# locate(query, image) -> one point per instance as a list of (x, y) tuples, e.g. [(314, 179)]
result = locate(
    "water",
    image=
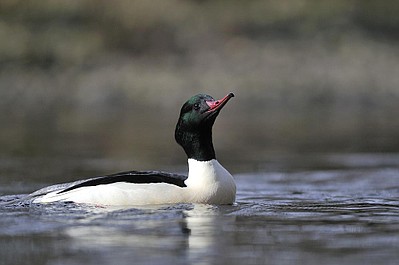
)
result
[(342, 211)]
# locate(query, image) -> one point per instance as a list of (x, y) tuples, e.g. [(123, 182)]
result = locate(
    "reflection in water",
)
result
[(203, 232), (159, 233)]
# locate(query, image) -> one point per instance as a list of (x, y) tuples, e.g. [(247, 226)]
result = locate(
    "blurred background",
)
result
[(106, 79)]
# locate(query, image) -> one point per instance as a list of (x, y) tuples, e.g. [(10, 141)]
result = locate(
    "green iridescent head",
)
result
[(194, 127)]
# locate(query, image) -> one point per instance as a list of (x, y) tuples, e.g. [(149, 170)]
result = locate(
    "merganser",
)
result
[(208, 182)]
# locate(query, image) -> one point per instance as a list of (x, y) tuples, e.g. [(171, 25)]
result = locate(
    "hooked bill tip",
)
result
[(231, 94)]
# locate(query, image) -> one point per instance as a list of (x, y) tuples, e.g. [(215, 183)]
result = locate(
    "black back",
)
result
[(136, 177)]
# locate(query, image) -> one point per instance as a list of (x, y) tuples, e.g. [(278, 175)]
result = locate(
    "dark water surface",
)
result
[(345, 211)]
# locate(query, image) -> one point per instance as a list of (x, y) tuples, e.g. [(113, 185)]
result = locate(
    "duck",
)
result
[(207, 181)]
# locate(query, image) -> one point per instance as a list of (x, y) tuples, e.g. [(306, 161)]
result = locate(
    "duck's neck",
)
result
[(198, 146)]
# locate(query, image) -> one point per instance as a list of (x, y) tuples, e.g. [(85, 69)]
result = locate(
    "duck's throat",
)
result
[(198, 146)]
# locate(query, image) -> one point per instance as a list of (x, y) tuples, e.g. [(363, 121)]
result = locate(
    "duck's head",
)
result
[(194, 127)]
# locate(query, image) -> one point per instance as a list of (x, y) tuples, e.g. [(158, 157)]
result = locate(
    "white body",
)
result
[(208, 182)]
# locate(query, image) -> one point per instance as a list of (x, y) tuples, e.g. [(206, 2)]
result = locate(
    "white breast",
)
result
[(209, 182)]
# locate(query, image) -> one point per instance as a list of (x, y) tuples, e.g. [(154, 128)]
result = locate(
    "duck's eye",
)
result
[(196, 106)]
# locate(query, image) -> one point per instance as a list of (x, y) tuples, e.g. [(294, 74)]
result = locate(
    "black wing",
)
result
[(137, 177)]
